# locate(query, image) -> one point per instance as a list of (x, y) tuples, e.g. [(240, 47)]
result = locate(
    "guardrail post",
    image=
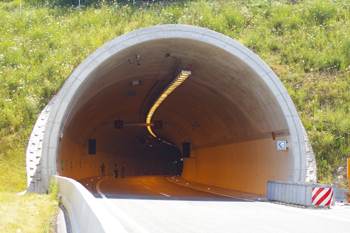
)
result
[(288, 191), (308, 194), (270, 190), (280, 191), (275, 191), (295, 193)]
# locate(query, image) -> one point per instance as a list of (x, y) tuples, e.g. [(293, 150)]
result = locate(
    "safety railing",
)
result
[(300, 193), (85, 213)]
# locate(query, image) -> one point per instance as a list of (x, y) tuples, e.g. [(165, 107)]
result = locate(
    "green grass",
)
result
[(306, 43), (29, 212)]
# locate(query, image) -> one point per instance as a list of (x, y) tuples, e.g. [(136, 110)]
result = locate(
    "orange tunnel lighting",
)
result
[(172, 86)]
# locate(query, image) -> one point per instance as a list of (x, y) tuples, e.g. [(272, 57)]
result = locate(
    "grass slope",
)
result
[(307, 44), (28, 213)]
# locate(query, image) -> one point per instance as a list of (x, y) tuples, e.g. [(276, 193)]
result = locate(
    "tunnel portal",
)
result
[(232, 110)]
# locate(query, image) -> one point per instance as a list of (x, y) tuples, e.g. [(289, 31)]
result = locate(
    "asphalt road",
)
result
[(153, 204)]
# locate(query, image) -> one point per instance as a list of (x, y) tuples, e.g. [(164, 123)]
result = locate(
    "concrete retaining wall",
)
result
[(85, 213)]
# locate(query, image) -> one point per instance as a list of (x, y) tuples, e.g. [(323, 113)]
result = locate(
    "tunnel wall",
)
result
[(75, 154), (92, 66), (245, 166)]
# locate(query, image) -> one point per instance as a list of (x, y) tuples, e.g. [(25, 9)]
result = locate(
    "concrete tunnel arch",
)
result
[(228, 109)]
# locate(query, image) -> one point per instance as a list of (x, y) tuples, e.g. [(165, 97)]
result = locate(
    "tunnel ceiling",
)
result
[(223, 101)]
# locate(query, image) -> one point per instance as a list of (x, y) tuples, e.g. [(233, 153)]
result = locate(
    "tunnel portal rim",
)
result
[(64, 99)]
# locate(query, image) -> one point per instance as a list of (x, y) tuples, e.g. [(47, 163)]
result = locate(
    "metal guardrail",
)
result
[(301, 193)]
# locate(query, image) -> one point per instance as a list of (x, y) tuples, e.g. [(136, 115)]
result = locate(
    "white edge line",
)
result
[(99, 191), (153, 189), (120, 212), (165, 194), (221, 194)]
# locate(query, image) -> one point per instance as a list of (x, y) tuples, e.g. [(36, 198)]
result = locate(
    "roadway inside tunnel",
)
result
[(153, 204), (152, 187), (225, 110)]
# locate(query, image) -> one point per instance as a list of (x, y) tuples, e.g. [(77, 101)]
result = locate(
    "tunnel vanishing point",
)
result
[(231, 110)]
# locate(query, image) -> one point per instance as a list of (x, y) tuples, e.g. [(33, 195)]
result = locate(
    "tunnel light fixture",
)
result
[(169, 143), (172, 86)]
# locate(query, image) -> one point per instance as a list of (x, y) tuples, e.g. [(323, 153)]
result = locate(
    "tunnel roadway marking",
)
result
[(119, 212), (104, 197), (152, 189), (98, 188), (170, 180), (208, 191), (165, 194)]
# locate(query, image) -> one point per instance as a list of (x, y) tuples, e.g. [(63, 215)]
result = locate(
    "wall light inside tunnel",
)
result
[(172, 86)]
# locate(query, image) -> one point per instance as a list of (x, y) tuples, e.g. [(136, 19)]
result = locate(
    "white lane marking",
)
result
[(153, 189), (221, 194), (129, 221), (165, 194), (98, 189)]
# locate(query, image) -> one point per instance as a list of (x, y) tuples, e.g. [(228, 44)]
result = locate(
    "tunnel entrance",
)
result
[(232, 109)]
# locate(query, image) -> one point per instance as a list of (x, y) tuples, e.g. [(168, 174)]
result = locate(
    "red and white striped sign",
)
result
[(322, 196)]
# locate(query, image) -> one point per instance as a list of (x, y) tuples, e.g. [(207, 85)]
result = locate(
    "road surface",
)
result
[(153, 204)]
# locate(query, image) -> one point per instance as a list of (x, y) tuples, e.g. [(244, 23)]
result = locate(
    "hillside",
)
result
[(307, 44)]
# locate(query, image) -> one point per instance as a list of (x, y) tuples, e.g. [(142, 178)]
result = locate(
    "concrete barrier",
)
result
[(84, 211), (301, 193)]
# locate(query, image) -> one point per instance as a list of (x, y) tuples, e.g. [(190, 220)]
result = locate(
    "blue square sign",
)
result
[(281, 145)]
